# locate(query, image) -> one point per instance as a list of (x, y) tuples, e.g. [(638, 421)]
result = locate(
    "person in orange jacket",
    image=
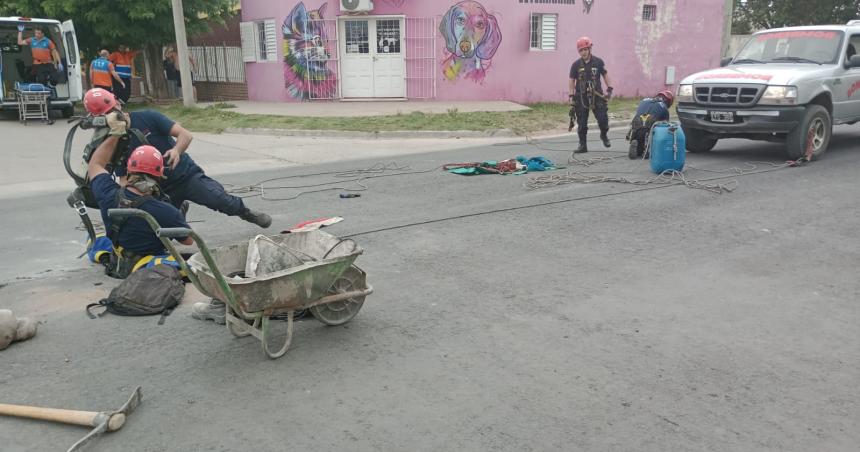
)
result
[(123, 60)]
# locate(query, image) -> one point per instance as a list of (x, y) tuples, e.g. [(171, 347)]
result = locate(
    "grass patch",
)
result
[(541, 117)]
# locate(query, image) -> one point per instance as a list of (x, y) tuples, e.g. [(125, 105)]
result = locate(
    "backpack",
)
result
[(148, 291)]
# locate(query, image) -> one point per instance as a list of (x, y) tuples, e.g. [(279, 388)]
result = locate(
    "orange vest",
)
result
[(124, 62), (100, 70), (41, 49)]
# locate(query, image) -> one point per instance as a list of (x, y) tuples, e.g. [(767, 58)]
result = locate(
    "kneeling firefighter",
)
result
[(649, 112), (130, 242)]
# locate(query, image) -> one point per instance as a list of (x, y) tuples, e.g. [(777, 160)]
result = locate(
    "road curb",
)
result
[(392, 134), (613, 126), (401, 134)]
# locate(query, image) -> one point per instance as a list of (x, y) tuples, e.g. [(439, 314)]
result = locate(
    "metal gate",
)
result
[(321, 55), (218, 63), (420, 58)]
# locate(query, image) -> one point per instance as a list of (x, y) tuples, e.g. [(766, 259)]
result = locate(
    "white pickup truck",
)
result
[(787, 84)]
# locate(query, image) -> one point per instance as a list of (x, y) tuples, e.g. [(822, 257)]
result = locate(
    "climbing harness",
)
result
[(82, 196)]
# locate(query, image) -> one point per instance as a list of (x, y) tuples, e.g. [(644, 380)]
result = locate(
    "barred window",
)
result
[(542, 31), (258, 41), (649, 12)]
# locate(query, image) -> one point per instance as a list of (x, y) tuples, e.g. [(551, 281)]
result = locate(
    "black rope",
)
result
[(549, 203)]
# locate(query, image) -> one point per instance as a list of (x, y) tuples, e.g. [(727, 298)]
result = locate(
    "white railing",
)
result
[(218, 63)]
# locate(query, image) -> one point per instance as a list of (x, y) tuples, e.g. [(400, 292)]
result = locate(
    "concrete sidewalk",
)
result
[(324, 109)]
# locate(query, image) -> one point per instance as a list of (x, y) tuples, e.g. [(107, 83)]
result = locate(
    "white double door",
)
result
[(373, 62)]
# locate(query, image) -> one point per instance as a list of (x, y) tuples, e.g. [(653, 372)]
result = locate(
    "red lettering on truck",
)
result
[(764, 77), (829, 35), (854, 88)]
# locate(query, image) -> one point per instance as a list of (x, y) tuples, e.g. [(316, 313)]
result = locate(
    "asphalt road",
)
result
[(600, 316)]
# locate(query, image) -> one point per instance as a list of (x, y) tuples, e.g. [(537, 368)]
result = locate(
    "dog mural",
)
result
[(305, 69), (472, 36)]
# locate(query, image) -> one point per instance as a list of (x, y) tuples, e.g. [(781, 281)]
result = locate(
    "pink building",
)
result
[(519, 50)]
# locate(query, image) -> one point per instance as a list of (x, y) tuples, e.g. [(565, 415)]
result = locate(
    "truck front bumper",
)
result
[(747, 121)]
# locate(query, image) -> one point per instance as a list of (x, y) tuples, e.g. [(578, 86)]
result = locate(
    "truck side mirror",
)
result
[(725, 61), (854, 61)]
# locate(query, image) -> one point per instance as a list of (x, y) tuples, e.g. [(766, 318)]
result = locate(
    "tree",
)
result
[(752, 15), (145, 25)]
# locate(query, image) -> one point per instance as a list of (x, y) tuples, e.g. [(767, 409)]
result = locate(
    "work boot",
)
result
[(605, 140), (633, 150), (210, 310), (259, 218), (583, 147)]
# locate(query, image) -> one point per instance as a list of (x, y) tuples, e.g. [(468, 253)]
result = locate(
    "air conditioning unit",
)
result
[(356, 6)]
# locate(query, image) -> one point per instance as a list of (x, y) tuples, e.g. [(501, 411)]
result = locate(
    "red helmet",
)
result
[(146, 159), (670, 98), (583, 43), (99, 101)]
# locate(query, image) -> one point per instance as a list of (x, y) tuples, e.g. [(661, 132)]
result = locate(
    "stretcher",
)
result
[(33, 102)]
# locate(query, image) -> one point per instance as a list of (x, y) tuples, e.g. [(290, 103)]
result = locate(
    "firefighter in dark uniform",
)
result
[(184, 179), (586, 93), (650, 111), (131, 243)]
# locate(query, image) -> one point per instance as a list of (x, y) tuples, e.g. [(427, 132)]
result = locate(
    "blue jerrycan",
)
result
[(668, 147)]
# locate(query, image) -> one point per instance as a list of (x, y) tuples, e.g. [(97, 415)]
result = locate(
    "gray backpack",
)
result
[(148, 291)]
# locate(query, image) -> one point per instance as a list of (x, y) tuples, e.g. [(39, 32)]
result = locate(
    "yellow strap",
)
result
[(142, 263)]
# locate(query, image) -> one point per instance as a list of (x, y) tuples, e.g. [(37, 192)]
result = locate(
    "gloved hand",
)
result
[(117, 124), (21, 27), (608, 93), (60, 67)]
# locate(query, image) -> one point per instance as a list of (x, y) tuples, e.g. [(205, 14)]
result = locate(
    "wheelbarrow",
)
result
[(315, 272)]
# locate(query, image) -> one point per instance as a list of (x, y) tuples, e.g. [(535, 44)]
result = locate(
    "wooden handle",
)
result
[(85, 418)]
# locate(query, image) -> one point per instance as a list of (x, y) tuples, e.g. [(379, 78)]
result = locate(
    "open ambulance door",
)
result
[(73, 63)]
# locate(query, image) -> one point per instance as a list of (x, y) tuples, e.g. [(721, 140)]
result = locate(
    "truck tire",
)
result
[(68, 111), (697, 142), (811, 138)]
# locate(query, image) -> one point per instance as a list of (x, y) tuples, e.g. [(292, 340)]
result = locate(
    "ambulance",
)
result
[(16, 63)]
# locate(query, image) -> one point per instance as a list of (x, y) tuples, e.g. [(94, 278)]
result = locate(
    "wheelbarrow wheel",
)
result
[(340, 312), (266, 332)]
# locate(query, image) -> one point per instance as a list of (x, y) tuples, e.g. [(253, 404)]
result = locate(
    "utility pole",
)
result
[(727, 28), (182, 48)]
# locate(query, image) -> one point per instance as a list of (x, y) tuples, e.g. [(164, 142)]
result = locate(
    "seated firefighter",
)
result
[(130, 243), (649, 112)]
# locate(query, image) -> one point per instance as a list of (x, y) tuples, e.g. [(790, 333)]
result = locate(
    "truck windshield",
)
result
[(793, 46)]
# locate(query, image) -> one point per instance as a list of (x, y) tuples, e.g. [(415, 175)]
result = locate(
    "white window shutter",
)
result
[(271, 41), (249, 42), (549, 25)]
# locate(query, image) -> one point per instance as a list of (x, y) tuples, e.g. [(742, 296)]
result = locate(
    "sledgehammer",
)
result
[(102, 421)]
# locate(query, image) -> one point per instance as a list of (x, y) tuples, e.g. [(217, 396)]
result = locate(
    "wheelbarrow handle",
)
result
[(115, 214), (173, 233)]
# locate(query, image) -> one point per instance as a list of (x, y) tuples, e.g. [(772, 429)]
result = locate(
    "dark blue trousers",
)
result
[(601, 113), (195, 186)]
